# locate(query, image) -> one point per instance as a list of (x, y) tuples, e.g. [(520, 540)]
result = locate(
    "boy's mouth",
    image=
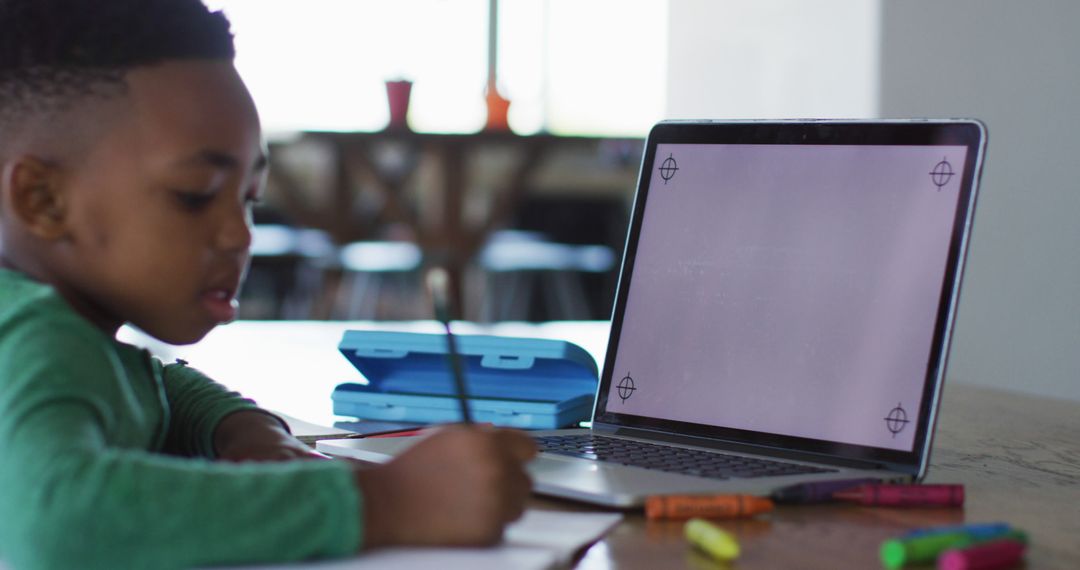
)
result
[(220, 304)]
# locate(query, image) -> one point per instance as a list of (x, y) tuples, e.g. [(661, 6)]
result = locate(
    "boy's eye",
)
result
[(194, 201)]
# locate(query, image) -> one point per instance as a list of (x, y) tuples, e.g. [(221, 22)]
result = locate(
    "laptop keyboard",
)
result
[(710, 464)]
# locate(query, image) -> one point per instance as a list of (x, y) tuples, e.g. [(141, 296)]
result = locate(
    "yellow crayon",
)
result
[(711, 539)]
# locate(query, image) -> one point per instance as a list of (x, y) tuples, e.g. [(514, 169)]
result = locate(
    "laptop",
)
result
[(783, 314)]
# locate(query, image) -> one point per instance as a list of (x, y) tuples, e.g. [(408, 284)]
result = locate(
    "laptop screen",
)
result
[(790, 289)]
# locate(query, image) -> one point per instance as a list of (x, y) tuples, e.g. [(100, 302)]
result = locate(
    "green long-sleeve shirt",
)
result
[(105, 458)]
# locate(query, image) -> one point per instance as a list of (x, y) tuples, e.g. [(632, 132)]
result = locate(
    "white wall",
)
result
[(1015, 66), (1012, 64), (772, 59)]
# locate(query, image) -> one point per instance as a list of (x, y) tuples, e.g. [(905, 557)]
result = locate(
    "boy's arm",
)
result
[(423, 497), (76, 491), (459, 486), (253, 435), (71, 501), (209, 420)]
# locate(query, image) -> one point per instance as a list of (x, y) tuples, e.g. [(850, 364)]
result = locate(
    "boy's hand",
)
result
[(459, 486), (254, 436)]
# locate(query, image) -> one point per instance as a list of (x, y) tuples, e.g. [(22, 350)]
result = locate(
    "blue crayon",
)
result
[(816, 491), (979, 531)]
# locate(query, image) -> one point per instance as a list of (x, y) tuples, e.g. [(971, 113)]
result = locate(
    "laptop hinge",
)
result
[(744, 448)]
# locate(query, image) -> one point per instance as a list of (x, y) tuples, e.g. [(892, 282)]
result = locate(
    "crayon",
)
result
[(711, 539), (905, 495), (981, 530), (816, 492), (706, 506), (896, 553), (993, 555)]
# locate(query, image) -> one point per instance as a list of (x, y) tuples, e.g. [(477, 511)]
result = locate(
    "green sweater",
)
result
[(105, 458)]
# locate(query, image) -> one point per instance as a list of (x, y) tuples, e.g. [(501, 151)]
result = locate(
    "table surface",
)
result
[(1017, 455)]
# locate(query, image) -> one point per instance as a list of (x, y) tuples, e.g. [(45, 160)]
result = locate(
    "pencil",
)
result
[(437, 282)]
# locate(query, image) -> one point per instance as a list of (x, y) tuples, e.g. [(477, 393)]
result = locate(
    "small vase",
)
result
[(498, 108), (397, 96)]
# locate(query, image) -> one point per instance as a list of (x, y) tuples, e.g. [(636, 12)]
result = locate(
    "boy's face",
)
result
[(159, 210)]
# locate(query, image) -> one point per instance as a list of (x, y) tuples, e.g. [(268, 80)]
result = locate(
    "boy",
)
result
[(131, 156)]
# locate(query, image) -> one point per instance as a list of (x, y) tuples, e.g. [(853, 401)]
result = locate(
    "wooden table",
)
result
[(1018, 457)]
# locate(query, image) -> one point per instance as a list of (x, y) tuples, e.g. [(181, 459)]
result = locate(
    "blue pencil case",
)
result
[(525, 383)]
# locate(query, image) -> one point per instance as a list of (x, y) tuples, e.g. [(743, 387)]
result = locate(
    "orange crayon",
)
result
[(705, 506)]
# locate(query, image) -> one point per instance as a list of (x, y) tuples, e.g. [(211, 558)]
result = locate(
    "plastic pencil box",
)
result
[(525, 383)]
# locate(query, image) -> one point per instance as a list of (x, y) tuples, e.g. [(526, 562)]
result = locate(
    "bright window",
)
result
[(596, 67)]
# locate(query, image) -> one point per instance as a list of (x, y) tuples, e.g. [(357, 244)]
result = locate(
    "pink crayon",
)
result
[(904, 495), (993, 555)]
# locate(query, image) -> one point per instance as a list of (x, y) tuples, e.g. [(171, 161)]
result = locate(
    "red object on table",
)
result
[(904, 495)]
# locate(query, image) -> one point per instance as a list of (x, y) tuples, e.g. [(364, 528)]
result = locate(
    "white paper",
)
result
[(540, 540), (560, 532), (501, 557)]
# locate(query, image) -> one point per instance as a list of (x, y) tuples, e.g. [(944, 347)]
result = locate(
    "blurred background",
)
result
[(502, 140)]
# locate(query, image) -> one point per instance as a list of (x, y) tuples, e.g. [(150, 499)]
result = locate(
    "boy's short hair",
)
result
[(53, 52)]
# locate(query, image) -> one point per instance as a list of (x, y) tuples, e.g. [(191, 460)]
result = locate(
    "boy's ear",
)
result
[(36, 197)]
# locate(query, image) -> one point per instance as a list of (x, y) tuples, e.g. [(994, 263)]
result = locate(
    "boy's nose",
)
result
[(235, 234)]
